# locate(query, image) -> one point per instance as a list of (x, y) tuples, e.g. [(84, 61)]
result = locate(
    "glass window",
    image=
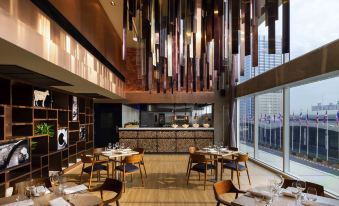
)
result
[(246, 125), (270, 110), (314, 133)]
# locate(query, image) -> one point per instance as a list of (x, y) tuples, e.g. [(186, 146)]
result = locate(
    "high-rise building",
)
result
[(270, 103)]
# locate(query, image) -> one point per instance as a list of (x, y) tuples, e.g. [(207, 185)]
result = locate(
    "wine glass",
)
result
[(117, 145), (301, 185), (122, 145), (311, 194), (109, 146)]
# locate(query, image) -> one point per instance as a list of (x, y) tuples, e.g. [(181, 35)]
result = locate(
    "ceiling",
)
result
[(114, 14)]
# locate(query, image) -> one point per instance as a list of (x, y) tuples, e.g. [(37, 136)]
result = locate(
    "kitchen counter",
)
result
[(166, 139)]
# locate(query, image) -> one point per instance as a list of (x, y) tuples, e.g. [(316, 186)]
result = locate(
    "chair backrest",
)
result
[(197, 158), (223, 187), (133, 159), (242, 157), (319, 188), (114, 186), (97, 151), (140, 150), (192, 150), (9, 192), (85, 159), (233, 148)]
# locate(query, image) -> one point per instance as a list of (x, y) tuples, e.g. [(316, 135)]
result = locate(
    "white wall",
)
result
[(129, 114)]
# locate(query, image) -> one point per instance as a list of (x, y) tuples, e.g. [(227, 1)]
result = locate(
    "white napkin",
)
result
[(28, 202), (257, 193), (75, 189), (37, 190), (311, 203), (59, 202), (289, 191)]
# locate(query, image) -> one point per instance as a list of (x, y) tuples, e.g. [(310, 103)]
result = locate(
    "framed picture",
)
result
[(13, 154), (62, 138), (75, 109), (83, 133)]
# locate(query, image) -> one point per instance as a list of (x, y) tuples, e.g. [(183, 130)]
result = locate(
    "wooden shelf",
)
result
[(18, 118)]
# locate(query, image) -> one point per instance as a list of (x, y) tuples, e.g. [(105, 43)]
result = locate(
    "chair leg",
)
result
[(189, 173), (231, 174), (238, 178), (142, 179), (188, 165), (199, 175), (205, 180), (248, 175), (143, 164), (82, 172), (131, 177), (90, 181), (118, 204), (221, 171), (123, 180), (218, 203)]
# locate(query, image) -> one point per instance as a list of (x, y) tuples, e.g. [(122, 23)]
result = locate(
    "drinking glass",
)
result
[(109, 146), (117, 145), (311, 194), (122, 145)]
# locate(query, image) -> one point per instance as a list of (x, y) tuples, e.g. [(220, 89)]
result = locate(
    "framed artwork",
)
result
[(83, 133), (62, 138), (13, 154), (75, 109)]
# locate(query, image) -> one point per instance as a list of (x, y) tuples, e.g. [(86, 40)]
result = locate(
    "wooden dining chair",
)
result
[(191, 150), (239, 164), (111, 185), (320, 189), (142, 152), (224, 187), (229, 158), (128, 168), (95, 165), (200, 164)]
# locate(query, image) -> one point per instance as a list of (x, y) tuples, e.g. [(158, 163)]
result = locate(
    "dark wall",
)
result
[(107, 121)]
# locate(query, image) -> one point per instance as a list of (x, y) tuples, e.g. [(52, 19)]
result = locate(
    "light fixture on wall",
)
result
[(113, 3)]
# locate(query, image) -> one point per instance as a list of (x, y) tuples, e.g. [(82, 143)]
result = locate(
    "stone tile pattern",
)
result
[(166, 141)]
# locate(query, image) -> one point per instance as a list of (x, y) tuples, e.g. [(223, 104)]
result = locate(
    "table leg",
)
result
[(216, 167)]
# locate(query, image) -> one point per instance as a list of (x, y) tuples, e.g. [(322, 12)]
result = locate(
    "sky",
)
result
[(313, 23)]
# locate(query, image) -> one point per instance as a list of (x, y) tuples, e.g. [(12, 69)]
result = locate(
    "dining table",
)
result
[(80, 198), (115, 154), (217, 154), (287, 200)]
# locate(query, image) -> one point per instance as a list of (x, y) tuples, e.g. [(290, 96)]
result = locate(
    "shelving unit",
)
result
[(18, 119)]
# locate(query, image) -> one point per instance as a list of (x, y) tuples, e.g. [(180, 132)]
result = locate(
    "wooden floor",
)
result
[(166, 183)]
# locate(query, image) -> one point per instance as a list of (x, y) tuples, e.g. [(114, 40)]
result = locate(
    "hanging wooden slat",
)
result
[(235, 25), (272, 13), (242, 38), (286, 26), (247, 23), (124, 30), (254, 34)]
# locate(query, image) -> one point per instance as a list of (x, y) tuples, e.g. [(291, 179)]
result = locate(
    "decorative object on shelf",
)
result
[(206, 125), (62, 138), (41, 98), (174, 125), (195, 125), (83, 132), (134, 124), (13, 154), (185, 125), (75, 109), (44, 128)]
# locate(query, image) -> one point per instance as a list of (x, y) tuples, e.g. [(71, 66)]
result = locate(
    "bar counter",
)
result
[(166, 140)]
